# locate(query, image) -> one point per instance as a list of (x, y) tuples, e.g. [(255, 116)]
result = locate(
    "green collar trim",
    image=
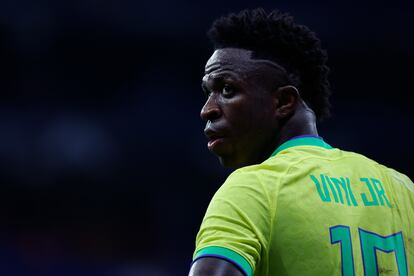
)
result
[(302, 141)]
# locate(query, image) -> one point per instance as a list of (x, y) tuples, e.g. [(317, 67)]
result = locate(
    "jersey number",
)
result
[(370, 243)]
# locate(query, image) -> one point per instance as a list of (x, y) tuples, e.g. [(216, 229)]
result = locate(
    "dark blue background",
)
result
[(104, 168)]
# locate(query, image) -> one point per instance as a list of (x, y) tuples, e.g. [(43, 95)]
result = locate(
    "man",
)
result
[(295, 205)]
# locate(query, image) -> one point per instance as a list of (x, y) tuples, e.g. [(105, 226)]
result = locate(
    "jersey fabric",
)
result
[(311, 209)]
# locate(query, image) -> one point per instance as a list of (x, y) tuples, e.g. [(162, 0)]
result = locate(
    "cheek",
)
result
[(245, 119), (258, 125), (247, 114), (237, 111)]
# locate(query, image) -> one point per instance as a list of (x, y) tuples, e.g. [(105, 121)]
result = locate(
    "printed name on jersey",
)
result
[(340, 189)]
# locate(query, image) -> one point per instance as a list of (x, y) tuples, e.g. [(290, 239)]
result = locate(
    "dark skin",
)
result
[(250, 110)]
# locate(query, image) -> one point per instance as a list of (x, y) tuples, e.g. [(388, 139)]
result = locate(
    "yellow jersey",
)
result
[(311, 209)]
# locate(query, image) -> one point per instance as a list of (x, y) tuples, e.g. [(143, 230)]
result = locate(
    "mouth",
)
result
[(213, 141), (215, 138)]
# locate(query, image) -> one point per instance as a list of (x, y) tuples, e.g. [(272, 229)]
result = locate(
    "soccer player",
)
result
[(294, 205)]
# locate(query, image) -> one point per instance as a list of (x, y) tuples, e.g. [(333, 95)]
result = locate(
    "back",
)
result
[(312, 210), (338, 211)]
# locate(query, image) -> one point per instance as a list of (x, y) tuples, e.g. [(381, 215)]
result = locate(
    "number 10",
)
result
[(370, 242)]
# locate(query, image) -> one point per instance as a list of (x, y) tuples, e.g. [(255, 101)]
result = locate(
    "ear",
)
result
[(287, 99)]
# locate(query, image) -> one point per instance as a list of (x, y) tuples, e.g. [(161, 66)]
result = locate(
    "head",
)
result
[(264, 71)]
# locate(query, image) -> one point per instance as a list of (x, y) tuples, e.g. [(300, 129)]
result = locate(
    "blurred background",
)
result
[(104, 168)]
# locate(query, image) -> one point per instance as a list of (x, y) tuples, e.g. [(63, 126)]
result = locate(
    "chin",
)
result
[(230, 163)]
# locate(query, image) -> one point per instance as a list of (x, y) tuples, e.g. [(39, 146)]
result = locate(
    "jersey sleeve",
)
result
[(236, 226)]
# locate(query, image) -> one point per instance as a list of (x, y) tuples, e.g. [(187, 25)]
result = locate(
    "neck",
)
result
[(303, 122)]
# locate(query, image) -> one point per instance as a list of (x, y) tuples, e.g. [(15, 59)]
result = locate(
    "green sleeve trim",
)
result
[(303, 141), (226, 254)]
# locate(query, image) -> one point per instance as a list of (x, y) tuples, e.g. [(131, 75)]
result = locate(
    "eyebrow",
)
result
[(222, 75), (218, 77)]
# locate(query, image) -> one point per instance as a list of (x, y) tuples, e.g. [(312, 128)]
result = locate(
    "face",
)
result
[(240, 110)]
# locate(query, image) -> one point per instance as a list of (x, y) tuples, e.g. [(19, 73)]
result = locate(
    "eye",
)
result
[(206, 91), (227, 90)]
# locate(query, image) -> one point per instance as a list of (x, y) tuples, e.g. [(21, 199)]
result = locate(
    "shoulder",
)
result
[(257, 176), (398, 177), (242, 184), (274, 165), (358, 159), (316, 156)]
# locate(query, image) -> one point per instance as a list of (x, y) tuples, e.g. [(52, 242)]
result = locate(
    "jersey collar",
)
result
[(303, 140)]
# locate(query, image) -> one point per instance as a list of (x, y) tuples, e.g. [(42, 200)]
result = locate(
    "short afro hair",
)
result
[(277, 37)]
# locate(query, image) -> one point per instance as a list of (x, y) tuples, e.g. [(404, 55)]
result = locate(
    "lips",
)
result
[(214, 138), (213, 143)]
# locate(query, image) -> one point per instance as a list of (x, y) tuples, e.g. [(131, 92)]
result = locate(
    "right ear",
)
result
[(286, 98)]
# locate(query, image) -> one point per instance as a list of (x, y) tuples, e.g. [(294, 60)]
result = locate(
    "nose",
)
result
[(211, 110)]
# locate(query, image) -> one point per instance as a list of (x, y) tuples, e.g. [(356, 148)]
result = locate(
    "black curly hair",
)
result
[(277, 37)]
